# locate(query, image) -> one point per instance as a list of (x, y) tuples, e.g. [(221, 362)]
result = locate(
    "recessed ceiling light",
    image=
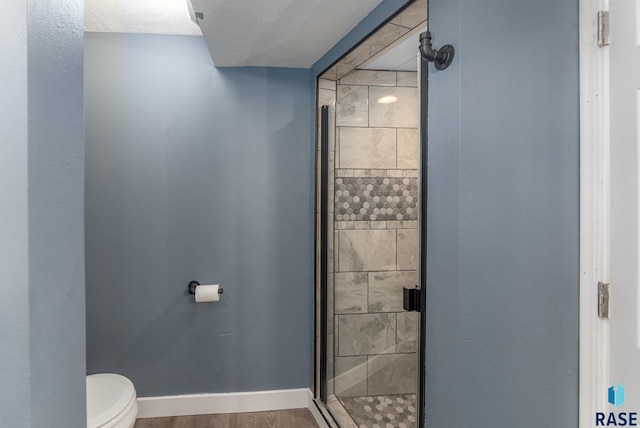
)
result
[(388, 99)]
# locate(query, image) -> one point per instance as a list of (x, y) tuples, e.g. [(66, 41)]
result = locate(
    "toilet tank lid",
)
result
[(108, 395)]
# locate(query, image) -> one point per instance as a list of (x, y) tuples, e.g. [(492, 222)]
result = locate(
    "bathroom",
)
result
[(201, 173)]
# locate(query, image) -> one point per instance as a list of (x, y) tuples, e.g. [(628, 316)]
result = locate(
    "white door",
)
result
[(624, 367)]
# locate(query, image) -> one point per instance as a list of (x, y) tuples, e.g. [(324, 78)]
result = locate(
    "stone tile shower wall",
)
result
[(375, 232)]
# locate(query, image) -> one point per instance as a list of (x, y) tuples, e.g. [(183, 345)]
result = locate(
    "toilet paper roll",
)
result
[(207, 293)]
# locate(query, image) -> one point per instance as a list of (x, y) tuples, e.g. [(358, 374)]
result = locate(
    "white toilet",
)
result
[(111, 401)]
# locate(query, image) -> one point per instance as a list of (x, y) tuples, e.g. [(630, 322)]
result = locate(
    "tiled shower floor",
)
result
[(383, 411)]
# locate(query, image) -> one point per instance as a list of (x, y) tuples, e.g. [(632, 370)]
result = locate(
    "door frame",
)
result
[(320, 244), (320, 270), (594, 210)]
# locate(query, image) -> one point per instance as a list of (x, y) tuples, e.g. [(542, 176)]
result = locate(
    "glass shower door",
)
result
[(369, 226), (370, 370)]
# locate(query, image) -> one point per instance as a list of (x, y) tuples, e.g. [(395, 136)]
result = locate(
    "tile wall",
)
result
[(413, 16), (375, 231)]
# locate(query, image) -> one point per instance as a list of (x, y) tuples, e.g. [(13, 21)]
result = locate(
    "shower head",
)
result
[(441, 58)]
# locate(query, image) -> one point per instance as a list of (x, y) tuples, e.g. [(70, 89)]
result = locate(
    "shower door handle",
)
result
[(411, 299)]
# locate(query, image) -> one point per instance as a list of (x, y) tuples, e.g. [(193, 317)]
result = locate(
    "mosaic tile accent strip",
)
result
[(376, 198), (388, 411)]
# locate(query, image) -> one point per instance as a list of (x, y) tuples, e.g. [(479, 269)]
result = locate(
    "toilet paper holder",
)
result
[(191, 288)]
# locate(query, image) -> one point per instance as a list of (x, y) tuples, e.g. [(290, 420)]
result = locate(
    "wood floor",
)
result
[(296, 418)]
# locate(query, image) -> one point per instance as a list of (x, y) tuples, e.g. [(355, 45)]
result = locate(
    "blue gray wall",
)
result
[(15, 394), (502, 301), (198, 173), (56, 203), (42, 327)]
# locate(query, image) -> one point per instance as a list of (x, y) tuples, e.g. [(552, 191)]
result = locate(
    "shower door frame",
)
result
[(324, 251), (321, 265)]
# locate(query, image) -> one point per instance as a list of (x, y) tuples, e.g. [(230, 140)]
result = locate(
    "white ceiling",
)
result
[(139, 16), (276, 33), (400, 56), (273, 33)]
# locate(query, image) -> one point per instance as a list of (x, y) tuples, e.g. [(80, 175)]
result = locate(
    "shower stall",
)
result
[(369, 368)]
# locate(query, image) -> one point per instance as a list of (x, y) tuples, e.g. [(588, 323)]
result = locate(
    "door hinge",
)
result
[(603, 300), (603, 28)]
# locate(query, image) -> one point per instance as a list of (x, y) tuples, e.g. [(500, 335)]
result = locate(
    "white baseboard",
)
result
[(237, 402)]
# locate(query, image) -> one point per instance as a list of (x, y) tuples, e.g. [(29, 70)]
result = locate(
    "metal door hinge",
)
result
[(603, 300), (603, 28)]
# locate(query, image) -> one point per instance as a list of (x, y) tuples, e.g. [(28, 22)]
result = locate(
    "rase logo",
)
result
[(615, 397)]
